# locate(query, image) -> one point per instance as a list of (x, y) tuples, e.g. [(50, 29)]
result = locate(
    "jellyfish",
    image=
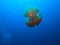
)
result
[(33, 16)]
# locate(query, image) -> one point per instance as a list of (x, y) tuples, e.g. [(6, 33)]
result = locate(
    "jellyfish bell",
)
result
[(34, 17)]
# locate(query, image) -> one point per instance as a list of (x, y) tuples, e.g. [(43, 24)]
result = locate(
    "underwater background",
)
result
[(14, 31)]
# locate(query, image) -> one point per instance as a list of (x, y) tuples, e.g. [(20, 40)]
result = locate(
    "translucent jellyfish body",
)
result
[(33, 16)]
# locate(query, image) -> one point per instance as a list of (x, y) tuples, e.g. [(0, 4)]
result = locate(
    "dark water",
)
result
[(14, 31)]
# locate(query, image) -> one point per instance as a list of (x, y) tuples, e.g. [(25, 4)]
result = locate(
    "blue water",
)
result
[(14, 31)]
